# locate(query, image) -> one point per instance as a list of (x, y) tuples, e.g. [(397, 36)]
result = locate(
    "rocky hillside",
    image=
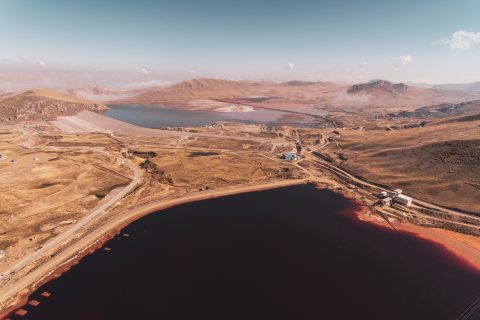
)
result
[(441, 111), (378, 85), (43, 105)]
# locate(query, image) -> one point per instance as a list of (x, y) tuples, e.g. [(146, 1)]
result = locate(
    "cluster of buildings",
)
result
[(389, 198)]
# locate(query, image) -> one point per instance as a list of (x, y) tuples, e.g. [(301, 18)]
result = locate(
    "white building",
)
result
[(386, 201), (397, 191), (403, 199)]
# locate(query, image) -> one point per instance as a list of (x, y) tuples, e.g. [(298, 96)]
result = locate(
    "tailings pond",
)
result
[(289, 253), (150, 116)]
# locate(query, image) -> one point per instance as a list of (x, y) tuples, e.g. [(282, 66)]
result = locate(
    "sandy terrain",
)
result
[(45, 190)]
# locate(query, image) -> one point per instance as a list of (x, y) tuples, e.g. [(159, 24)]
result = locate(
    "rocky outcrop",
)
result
[(156, 172), (378, 85), (43, 105)]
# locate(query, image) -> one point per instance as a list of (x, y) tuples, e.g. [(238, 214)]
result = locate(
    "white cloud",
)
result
[(145, 71), (22, 62), (146, 84), (290, 66), (365, 63), (405, 59), (461, 40)]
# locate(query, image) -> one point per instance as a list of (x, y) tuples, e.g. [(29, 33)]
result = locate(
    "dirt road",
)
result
[(136, 179)]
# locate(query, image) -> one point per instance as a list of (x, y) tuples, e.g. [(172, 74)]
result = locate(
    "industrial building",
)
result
[(383, 194), (389, 198), (386, 201), (291, 156), (403, 199)]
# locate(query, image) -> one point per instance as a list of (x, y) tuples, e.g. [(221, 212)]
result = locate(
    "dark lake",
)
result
[(289, 253), (160, 116)]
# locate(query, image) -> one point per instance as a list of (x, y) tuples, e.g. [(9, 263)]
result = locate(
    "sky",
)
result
[(166, 40)]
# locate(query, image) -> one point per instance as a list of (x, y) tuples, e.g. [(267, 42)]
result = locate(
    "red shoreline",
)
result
[(422, 233), (359, 210)]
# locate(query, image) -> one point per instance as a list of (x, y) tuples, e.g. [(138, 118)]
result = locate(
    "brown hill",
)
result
[(43, 105), (202, 89), (305, 83)]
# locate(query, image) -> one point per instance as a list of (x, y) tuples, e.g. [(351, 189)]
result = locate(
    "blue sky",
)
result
[(423, 41)]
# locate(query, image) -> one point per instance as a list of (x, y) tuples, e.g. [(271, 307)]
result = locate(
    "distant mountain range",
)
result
[(376, 96), (473, 86), (205, 88), (372, 96)]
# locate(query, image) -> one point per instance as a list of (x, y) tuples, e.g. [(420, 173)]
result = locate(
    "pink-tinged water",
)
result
[(290, 253)]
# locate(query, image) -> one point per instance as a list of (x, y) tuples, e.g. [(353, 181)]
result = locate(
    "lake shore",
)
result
[(16, 295), (465, 247)]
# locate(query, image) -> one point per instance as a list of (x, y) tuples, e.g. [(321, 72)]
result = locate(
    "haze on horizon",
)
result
[(157, 42)]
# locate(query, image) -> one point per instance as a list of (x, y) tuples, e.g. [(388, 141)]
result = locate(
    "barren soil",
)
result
[(439, 163)]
